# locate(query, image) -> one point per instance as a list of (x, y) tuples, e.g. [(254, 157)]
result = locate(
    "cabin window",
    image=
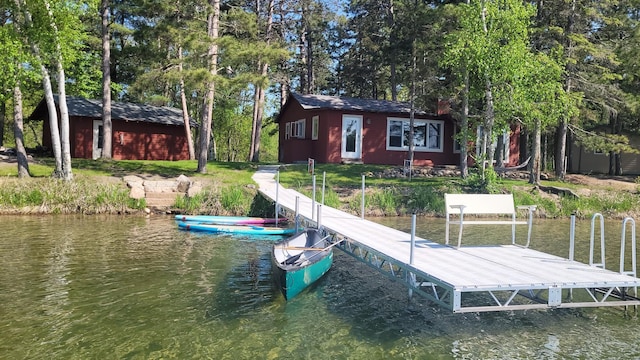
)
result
[(298, 129), (457, 139), (287, 131), (314, 127), (100, 136), (427, 134)]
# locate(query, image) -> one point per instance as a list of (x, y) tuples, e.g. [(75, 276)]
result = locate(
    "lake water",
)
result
[(75, 287)]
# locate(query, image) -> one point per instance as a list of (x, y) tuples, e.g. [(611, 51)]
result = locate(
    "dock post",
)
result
[(324, 178), (297, 214), (319, 222), (412, 279), (572, 244), (623, 247), (572, 236), (313, 198), (277, 186), (362, 202), (601, 264), (633, 252)]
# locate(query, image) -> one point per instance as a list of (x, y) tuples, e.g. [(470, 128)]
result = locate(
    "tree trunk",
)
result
[(207, 114), (53, 123), (500, 153), (618, 130), (488, 124), (284, 92), (18, 133), (185, 113), (258, 105), (534, 174), (67, 174), (304, 84), (561, 147), (561, 133), (107, 127), (393, 77), (412, 109), (256, 131), (489, 113), (3, 108), (48, 91), (464, 128), (311, 83)]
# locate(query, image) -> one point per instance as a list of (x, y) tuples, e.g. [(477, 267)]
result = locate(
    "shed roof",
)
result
[(311, 101), (82, 107)]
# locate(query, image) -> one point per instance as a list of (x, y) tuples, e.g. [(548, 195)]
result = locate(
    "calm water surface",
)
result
[(135, 288)]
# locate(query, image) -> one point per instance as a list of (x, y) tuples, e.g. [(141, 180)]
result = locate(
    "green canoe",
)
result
[(300, 260)]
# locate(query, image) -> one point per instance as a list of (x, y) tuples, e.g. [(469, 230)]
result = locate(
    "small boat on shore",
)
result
[(300, 260), (229, 220), (236, 229)]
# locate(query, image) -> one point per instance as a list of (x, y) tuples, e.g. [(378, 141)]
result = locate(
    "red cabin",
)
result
[(140, 132), (341, 130)]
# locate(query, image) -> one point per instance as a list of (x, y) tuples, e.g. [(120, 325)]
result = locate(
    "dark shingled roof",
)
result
[(309, 102), (119, 111)]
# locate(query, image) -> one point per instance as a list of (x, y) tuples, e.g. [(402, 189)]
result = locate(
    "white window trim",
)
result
[(299, 129), (315, 123), (417, 122), (457, 143), (287, 131)]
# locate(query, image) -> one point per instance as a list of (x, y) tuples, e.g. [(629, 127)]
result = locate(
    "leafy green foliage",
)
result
[(234, 199), (577, 60)]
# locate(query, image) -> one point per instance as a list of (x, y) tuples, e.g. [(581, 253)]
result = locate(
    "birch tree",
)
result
[(12, 73), (67, 173), (25, 27), (18, 133), (487, 54), (107, 127)]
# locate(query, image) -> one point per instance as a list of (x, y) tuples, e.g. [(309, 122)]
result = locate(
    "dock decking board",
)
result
[(445, 273)]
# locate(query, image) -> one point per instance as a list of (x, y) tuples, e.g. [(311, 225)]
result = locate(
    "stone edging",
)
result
[(157, 189)]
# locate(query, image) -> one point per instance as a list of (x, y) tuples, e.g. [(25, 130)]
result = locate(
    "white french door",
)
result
[(98, 138), (351, 137)]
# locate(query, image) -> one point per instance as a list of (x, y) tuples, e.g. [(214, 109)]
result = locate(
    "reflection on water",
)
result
[(135, 288)]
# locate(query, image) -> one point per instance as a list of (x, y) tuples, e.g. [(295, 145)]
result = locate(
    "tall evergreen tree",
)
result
[(213, 22)]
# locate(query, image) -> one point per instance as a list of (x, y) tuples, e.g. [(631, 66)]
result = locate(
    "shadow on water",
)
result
[(378, 310), (247, 285)]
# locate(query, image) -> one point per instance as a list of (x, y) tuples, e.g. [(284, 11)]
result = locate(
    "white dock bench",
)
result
[(485, 204)]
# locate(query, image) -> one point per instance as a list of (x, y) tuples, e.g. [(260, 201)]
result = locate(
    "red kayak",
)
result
[(228, 220)]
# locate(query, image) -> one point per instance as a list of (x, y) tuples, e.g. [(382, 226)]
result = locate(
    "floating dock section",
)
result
[(465, 279)]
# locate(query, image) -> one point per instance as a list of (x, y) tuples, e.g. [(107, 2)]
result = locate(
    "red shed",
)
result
[(140, 132)]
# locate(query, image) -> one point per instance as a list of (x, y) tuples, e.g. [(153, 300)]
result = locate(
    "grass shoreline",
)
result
[(228, 189)]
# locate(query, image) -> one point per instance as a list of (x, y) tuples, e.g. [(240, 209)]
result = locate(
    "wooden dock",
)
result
[(468, 279)]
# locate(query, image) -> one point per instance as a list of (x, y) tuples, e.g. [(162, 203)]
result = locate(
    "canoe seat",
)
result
[(292, 259)]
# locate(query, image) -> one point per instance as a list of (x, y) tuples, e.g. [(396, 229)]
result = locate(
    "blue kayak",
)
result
[(228, 220), (236, 229)]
